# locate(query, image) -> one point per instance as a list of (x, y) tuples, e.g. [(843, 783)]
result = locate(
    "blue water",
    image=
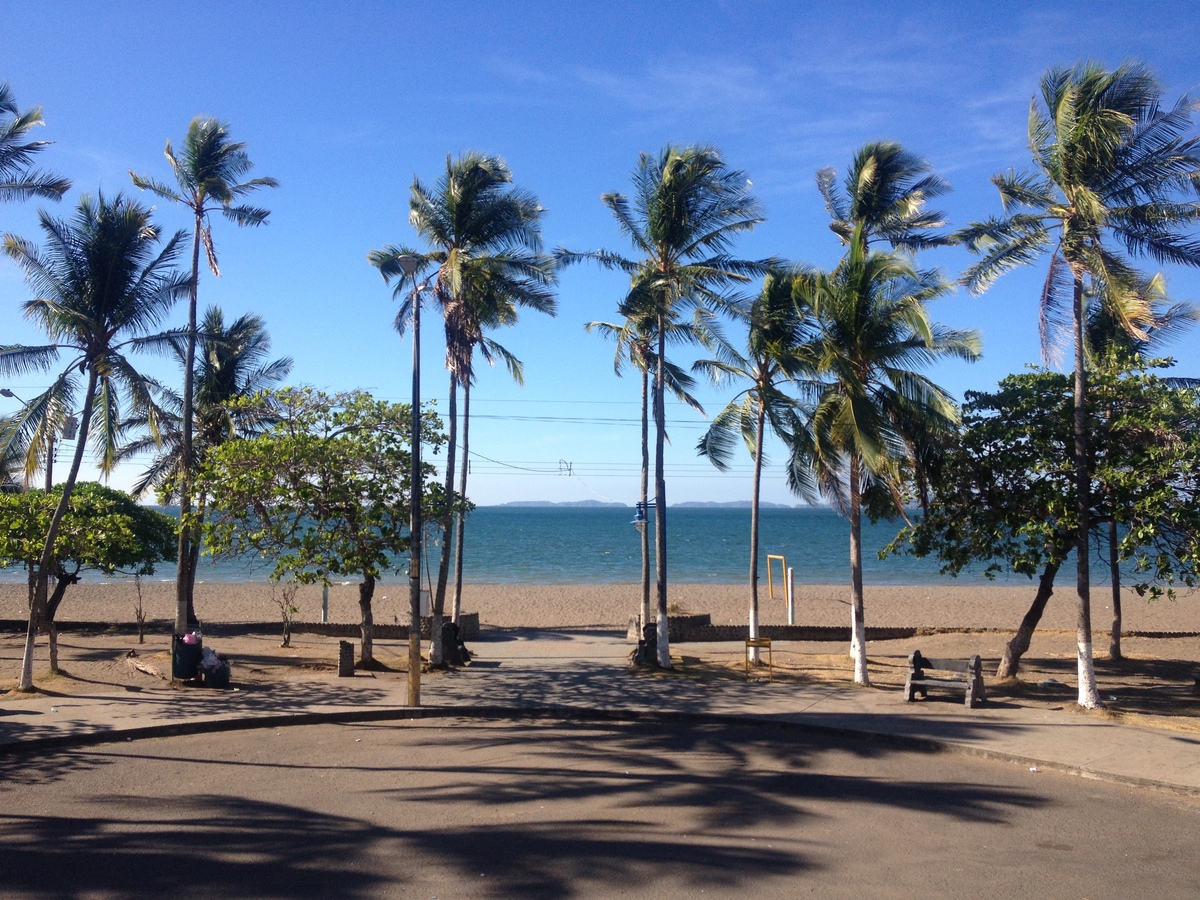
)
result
[(598, 545)]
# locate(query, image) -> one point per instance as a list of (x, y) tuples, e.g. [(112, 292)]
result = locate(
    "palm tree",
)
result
[(10, 457), (206, 174), (874, 331), (885, 192), (635, 344), (1111, 163), (777, 339), (102, 286), (17, 180), (686, 210), (489, 305), (485, 239), (233, 366)]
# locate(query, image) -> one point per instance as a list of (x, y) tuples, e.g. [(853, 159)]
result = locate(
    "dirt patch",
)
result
[(1155, 684)]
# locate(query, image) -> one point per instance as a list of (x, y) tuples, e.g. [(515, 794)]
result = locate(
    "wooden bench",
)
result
[(969, 680)]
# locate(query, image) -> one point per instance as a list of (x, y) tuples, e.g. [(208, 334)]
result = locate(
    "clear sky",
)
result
[(345, 102)]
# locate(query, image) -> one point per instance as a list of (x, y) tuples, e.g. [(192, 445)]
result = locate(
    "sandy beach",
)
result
[(561, 606)]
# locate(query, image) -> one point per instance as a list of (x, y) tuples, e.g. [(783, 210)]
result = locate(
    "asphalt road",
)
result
[(449, 809)]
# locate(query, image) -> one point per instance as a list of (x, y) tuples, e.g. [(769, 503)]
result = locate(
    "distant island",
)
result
[(588, 503), (691, 504), (730, 504)]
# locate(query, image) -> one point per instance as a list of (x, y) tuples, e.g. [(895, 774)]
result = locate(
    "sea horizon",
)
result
[(598, 544)]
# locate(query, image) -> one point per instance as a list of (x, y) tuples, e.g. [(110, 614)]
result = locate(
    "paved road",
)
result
[(455, 808)]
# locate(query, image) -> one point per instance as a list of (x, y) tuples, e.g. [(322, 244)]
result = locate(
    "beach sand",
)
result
[(563, 606)]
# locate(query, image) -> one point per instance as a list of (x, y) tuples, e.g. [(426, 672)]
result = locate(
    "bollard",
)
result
[(791, 596), (345, 659)]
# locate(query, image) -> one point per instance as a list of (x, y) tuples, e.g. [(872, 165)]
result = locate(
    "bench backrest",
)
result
[(917, 661)]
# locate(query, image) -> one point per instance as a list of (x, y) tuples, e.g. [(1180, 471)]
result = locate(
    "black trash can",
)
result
[(185, 658)]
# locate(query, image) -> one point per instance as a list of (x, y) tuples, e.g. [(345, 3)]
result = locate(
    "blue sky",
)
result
[(345, 102)]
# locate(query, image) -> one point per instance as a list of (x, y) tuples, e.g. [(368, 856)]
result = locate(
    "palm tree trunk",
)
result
[(184, 573), (858, 628), (660, 498), (194, 561), (754, 496), (416, 522), (438, 612), (39, 601), (1089, 697), (1010, 663), (644, 536), (1114, 570), (460, 519)]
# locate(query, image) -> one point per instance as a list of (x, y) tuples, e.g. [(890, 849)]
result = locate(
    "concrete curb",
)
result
[(579, 714)]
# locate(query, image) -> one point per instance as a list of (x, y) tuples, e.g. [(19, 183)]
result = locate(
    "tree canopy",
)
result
[(1005, 497), (323, 493), (103, 529)]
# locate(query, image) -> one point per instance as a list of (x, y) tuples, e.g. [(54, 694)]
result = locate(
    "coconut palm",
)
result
[(490, 304), (885, 192), (635, 344), (778, 338), (1112, 166), (687, 208), (17, 180), (206, 174), (102, 282), (10, 457), (874, 332), (233, 366), (484, 236)]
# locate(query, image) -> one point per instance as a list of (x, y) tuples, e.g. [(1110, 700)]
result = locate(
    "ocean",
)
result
[(599, 545)]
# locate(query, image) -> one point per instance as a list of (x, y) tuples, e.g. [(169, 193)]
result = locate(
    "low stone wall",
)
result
[(468, 624), (699, 629)]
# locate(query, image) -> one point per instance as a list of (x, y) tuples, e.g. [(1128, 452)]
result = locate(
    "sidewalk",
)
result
[(584, 675)]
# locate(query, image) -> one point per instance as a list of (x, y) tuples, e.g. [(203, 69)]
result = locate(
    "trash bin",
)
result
[(345, 659), (185, 657)]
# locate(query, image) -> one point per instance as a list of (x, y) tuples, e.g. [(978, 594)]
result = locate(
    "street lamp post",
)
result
[(647, 642), (409, 265)]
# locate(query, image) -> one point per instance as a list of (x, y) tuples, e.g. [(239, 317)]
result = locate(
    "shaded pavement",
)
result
[(584, 675)]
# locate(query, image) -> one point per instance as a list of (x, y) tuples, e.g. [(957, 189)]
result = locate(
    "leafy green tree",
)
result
[(635, 342), (17, 180), (874, 407), (1006, 497), (1112, 165), (207, 172), (324, 492), (1112, 349), (484, 237), (777, 345), (686, 210), (103, 284), (233, 365), (103, 530)]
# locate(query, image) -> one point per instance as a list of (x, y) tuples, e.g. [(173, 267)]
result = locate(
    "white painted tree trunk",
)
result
[(858, 648), (1089, 695)]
